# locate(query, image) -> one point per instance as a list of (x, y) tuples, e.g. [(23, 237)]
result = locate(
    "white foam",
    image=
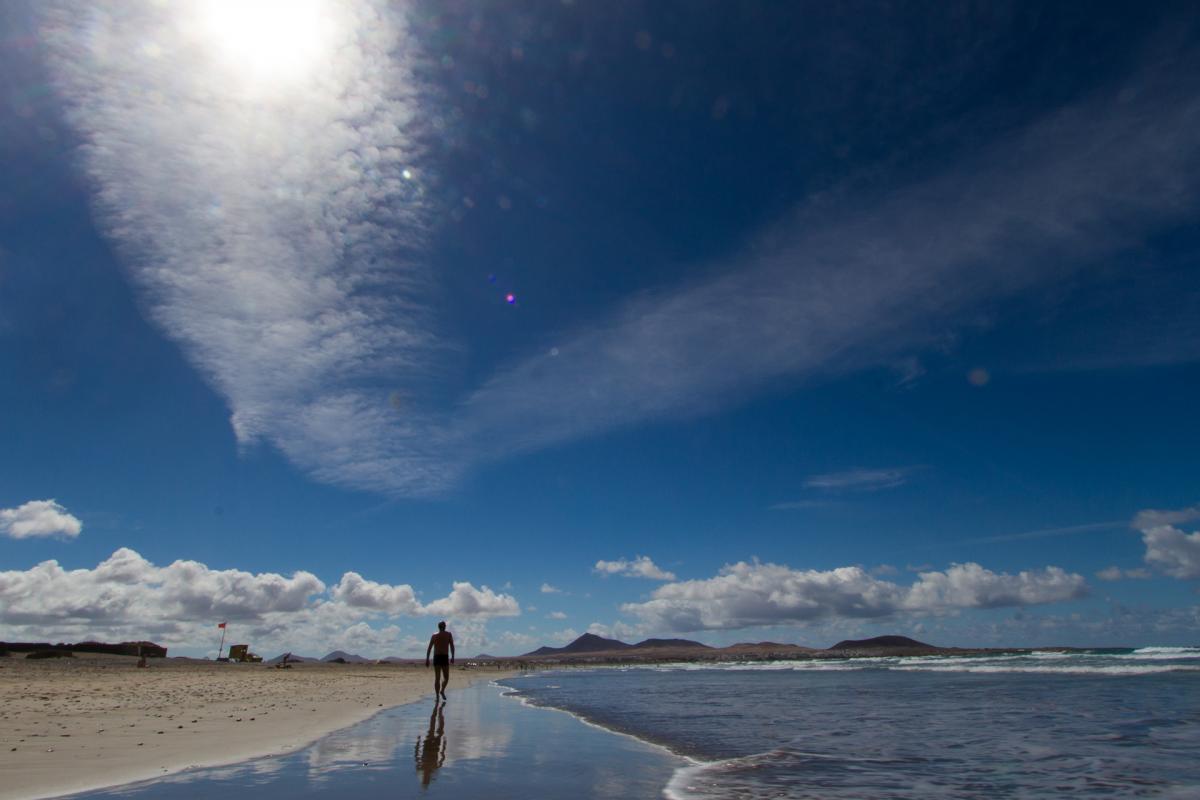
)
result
[(1064, 669)]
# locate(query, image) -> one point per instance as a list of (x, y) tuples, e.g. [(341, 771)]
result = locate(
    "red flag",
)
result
[(221, 625)]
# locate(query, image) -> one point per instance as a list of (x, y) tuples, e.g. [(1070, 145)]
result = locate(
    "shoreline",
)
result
[(95, 722)]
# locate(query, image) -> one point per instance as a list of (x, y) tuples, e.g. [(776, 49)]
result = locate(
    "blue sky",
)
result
[(735, 322)]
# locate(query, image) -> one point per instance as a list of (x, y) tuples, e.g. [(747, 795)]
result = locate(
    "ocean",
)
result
[(1105, 723)]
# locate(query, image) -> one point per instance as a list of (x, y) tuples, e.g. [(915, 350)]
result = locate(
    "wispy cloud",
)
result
[(861, 480), (799, 505), (39, 518), (1046, 533), (854, 282), (548, 589), (276, 236)]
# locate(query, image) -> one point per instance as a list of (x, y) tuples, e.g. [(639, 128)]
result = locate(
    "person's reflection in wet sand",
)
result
[(430, 752)]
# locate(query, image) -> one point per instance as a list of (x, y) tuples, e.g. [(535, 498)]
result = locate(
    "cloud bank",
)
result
[(127, 597), (640, 567), (745, 594), (39, 518)]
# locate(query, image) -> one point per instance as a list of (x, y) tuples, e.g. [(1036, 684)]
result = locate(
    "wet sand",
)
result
[(73, 724)]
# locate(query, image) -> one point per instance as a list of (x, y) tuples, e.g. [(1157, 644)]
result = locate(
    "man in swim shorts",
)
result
[(442, 645)]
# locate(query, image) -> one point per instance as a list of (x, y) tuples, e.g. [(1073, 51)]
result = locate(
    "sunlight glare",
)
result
[(268, 40)]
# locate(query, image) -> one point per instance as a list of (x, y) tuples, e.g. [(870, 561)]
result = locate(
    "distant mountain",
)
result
[(484, 657), (879, 641), (588, 643), (669, 643), (292, 658), (349, 658)]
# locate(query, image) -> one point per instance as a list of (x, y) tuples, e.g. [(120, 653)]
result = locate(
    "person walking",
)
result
[(442, 646)]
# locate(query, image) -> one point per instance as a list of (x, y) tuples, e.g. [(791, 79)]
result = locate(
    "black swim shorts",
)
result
[(441, 660)]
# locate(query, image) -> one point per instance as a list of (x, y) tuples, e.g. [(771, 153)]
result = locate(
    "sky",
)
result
[(726, 321)]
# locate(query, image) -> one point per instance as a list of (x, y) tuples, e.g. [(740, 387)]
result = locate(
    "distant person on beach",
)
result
[(442, 645)]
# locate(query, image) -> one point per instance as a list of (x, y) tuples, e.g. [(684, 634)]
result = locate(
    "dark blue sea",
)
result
[(1117, 723)]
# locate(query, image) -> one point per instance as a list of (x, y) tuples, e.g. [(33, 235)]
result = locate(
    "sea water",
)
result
[(1105, 723)]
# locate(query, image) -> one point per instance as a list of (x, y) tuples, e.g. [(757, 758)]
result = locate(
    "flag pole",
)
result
[(221, 646)]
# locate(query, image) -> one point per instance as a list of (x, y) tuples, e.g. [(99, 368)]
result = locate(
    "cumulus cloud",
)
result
[(39, 518), (467, 601), (548, 589), (128, 590), (748, 594), (357, 592), (128, 597), (1168, 548), (640, 567), (556, 615), (861, 480)]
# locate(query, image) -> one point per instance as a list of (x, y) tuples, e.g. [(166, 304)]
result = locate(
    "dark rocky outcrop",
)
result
[(879, 642), (647, 643), (588, 643)]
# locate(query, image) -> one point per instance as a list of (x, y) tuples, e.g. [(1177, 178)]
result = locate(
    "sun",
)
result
[(267, 41)]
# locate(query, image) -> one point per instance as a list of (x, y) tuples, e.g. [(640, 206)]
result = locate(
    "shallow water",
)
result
[(1118, 723), (481, 745)]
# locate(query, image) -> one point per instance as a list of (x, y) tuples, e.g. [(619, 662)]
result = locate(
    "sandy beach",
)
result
[(92, 721)]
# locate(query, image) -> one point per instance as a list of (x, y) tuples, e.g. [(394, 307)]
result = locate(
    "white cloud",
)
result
[(861, 480), (556, 615), (1115, 573), (357, 592), (548, 589), (467, 601), (1169, 549), (127, 597), (1155, 518), (640, 567), (747, 594), (39, 518)]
